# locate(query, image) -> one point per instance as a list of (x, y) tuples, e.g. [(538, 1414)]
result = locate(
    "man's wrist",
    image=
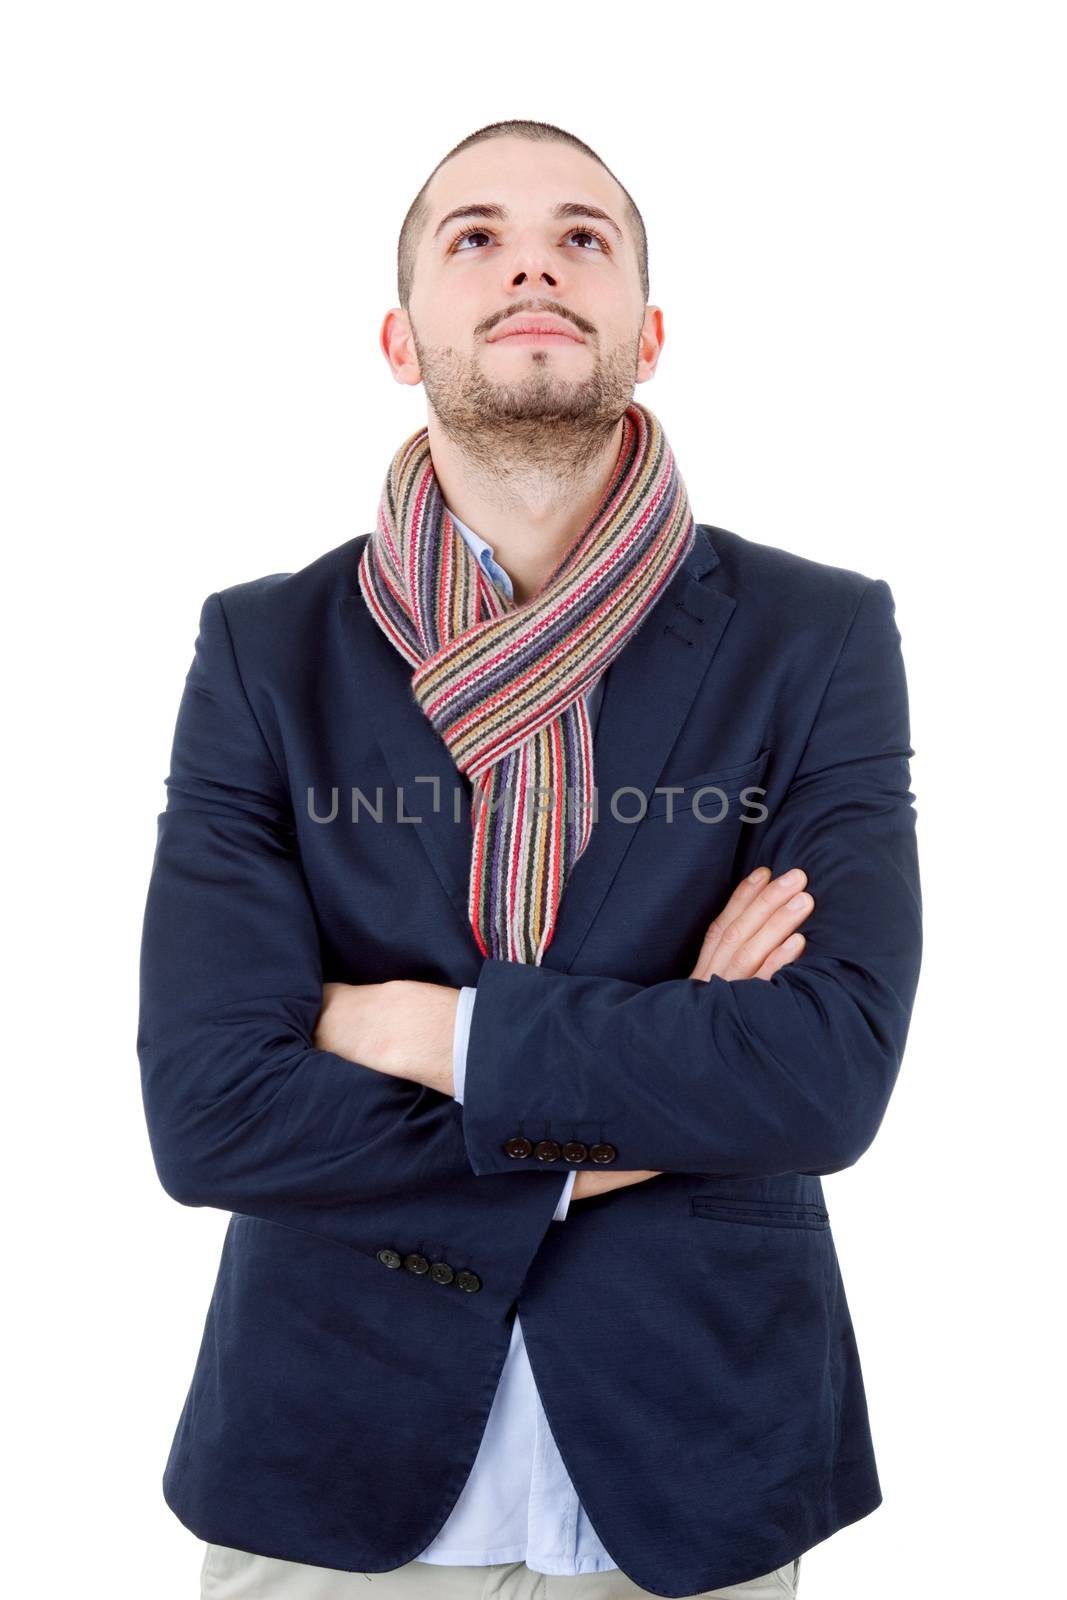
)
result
[(422, 1036)]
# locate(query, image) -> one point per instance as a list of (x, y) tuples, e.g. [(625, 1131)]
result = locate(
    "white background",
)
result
[(854, 217)]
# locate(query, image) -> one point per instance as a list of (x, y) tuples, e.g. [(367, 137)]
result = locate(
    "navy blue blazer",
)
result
[(689, 1335)]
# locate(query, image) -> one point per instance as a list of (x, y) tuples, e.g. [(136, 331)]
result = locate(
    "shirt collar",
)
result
[(483, 554)]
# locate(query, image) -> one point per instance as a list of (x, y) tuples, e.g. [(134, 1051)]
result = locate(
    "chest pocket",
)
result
[(709, 800)]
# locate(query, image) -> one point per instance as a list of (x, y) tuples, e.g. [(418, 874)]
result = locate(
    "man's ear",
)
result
[(397, 343), (651, 344)]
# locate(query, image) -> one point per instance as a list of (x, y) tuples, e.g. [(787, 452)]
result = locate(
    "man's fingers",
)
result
[(587, 1184), (786, 952), (743, 960), (742, 897), (750, 910)]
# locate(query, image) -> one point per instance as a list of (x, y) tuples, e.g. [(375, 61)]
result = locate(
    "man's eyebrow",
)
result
[(498, 213)]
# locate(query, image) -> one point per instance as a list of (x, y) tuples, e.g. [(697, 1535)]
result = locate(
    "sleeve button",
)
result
[(603, 1153), (518, 1146), (547, 1150)]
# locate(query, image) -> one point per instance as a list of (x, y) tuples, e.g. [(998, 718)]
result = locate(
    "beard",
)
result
[(539, 421)]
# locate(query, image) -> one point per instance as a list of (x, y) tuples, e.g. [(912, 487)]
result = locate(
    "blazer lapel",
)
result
[(413, 750), (648, 692)]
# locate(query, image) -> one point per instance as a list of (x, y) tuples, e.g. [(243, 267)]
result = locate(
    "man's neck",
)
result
[(529, 513)]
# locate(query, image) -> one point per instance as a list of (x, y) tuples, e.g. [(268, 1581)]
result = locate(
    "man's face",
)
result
[(477, 275)]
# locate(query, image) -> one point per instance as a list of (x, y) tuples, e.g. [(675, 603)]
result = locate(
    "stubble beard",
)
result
[(540, 422)]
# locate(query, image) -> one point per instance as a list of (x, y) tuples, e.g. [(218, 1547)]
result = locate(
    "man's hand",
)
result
[(752, 937), (402, 1028)]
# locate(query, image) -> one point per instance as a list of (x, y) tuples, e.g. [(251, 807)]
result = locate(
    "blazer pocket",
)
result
[(729, 781), (759, 1213)]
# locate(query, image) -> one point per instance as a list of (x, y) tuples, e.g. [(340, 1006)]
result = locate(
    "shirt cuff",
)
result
[(460, 1034), (565, 1198)]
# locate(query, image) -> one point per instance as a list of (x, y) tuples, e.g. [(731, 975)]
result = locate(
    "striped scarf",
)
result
[(504, 685)]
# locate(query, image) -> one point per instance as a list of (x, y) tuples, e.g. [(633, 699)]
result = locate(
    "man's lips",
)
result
[(535, 329), (536, 338)]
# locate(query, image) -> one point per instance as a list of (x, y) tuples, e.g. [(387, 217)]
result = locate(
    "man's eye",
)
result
[(469, 233), (475, 232), (590, 233)]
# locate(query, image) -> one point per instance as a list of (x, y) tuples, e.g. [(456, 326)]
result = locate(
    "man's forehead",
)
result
[(486, 179)]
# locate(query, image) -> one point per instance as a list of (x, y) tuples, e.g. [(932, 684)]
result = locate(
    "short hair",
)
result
[(538, 132)]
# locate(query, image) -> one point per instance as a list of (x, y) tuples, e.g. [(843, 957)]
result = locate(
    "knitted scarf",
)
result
[(504, 685)]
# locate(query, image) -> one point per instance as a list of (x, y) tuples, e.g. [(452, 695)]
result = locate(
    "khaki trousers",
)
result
[(229, 1574)]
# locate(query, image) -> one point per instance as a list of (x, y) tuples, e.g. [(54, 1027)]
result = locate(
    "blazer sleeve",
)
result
[(243, 1112), (460, 1036), (754, 1077)]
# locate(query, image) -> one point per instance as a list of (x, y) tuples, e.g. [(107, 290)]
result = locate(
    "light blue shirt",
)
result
[(518, 1503)]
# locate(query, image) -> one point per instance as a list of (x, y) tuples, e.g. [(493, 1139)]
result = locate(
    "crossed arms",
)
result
[(746, 1076), (408, 1029)]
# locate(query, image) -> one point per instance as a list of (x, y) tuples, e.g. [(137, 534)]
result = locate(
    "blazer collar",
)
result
[(649, 690)]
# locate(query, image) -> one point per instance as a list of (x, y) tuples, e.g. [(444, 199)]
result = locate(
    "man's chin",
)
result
[(562, 403)]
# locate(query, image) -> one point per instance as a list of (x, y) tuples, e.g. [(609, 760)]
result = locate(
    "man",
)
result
[(475, 908)]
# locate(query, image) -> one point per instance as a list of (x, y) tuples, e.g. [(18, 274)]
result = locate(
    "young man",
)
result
[(475, 909)]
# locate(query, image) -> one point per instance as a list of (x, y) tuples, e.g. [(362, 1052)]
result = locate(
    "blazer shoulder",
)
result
[(279, 623)]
